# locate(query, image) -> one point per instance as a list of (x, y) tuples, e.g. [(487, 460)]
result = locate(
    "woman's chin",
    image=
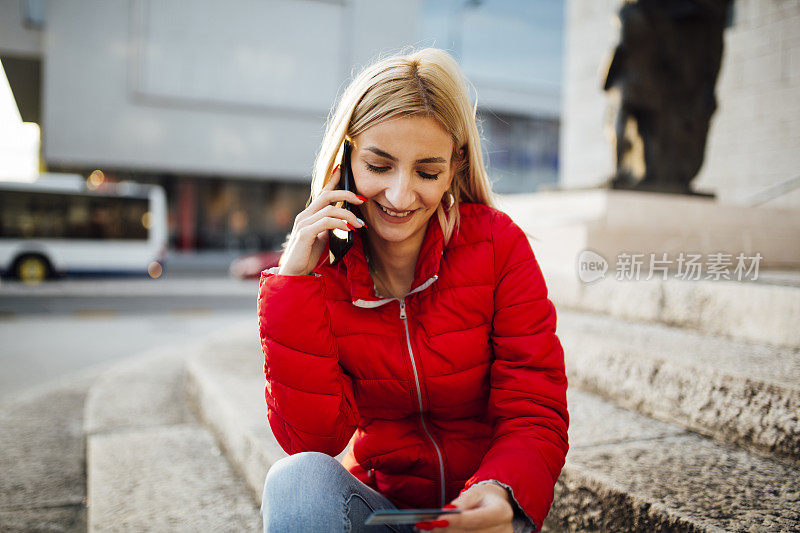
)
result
[(390, 232)]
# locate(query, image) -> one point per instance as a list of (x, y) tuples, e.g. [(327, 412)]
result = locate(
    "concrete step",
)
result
[(226, 387), (151, 466), (743, 393), (628, 472), (42, 471), (625, 471), (164, 478), (764, 313), (225, 383)]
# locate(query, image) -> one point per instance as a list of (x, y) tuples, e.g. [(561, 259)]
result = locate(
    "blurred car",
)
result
[(250, 266)]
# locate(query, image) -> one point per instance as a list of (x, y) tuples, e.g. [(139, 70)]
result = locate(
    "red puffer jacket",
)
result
[(461, 381)]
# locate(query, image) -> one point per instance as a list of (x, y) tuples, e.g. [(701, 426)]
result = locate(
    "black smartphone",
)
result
[(405, 516), (340, 240)]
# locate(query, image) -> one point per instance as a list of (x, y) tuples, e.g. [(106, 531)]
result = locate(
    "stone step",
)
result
[(225, 383), (42, 470), (164, 478), (628, 472), (744, 393), (150, 464), (765, 313), (625, 471)]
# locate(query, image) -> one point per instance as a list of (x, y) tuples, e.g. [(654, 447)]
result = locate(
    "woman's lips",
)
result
[(394, 220)]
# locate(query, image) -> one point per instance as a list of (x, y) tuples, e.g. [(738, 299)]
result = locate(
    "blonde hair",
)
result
[(427, 82)]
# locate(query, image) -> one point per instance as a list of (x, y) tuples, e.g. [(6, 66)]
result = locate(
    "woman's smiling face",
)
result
[(404, 165)]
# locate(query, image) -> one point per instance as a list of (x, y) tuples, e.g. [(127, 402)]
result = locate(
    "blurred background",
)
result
[(224, 105), (154, 154)]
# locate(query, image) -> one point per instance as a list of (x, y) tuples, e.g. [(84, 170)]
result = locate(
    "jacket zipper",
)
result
[(404, 318)]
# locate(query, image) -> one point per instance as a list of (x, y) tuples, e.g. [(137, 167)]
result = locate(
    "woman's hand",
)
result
[(310, 230), (484, 508)]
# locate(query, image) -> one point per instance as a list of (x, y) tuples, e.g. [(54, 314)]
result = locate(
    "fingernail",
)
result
[(335, 169), (350, 226), (361, 197), (361, 222), (424, 525), (449, 506), (440, 523)]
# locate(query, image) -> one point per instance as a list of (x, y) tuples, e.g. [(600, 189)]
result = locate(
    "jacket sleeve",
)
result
[(527, 399), (310, 400)]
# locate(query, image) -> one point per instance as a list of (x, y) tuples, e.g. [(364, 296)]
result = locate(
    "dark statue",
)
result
[(664, 68)]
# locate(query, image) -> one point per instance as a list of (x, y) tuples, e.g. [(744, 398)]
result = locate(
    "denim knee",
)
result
[(301, 468), (303, 492)]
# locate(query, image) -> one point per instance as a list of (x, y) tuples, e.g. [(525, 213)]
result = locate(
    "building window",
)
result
[(521, 151)]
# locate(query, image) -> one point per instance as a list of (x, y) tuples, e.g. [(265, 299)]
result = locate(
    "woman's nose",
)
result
[(400, 191)]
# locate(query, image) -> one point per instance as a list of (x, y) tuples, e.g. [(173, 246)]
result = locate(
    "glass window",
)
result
[(45, 215), (512, 51), (522, 151), (504, 42)]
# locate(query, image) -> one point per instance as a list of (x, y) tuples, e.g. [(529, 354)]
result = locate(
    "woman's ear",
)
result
[(458, 159), (461, 162)]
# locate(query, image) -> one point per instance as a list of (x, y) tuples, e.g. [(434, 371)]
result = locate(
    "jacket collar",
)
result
[(362, 287)]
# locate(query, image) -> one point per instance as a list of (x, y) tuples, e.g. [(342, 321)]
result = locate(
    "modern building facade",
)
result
[(225, 103)]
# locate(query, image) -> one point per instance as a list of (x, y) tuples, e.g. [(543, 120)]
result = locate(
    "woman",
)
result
[(430, 347)]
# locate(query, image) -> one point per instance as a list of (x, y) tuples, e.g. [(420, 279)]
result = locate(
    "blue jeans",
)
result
[(313, 492)]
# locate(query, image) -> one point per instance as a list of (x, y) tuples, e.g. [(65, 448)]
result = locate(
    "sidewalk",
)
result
[(123, 287)]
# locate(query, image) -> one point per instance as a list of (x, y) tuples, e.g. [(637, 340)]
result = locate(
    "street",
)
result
[(65, 326)]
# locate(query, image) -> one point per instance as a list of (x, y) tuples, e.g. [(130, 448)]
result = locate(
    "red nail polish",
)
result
[(361, 197), (350, 226), (440, 523), (335, 169), (449, 506), (424, 526)]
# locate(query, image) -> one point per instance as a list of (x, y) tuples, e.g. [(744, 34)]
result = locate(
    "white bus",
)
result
[(53, 227)]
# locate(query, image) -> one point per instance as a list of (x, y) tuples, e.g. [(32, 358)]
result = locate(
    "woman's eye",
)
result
[(380, 170), (373, 168)]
